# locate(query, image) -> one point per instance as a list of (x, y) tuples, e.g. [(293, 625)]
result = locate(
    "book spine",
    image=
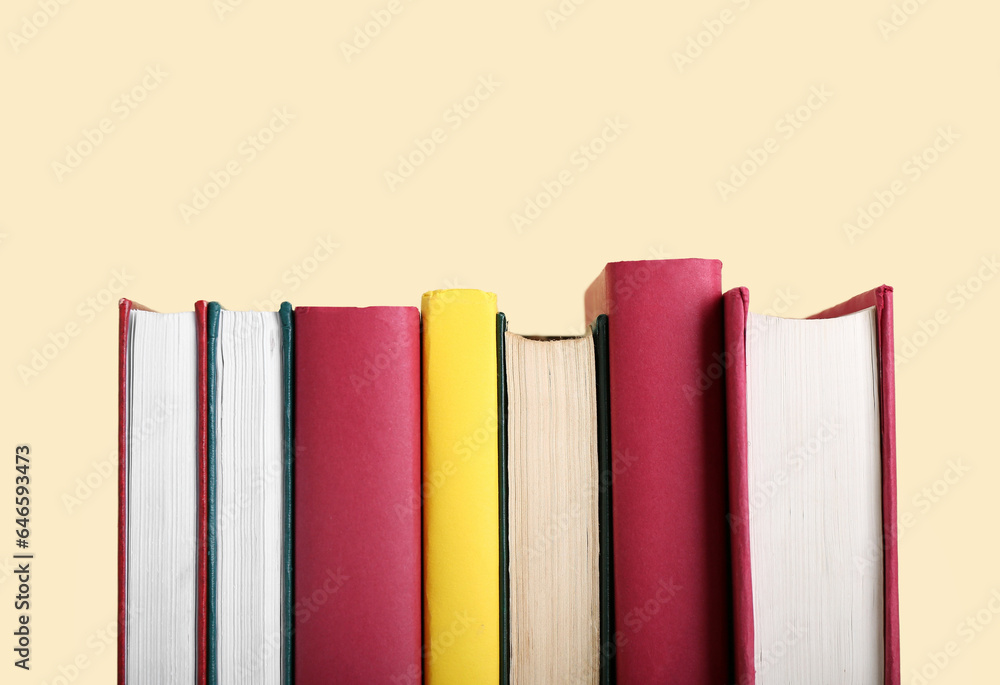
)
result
[(462, 621), (887, 375), (211, 490), (667, 408), (357, 495), (124, 311), (201, 326), (288, 474), (505, 643), (736, 305), (604, 500)]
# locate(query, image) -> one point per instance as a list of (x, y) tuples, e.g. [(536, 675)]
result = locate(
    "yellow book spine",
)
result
[(460, 489)]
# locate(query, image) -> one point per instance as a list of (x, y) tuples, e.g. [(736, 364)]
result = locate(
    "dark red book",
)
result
[(357, 495), (668, 443)]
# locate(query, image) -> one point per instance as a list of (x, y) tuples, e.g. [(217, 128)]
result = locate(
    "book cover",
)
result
[(288, 483), (672, 611), (357, 495), (201, 326), (461, 486), (125, 307), (210, 384)]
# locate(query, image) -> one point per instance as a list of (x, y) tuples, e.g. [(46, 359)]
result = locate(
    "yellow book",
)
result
[(461, 489)]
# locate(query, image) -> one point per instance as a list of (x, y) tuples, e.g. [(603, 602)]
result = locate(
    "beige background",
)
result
[(69, 235)]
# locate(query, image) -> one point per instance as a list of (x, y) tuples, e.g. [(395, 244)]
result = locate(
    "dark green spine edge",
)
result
[(504, 542), (288, 551), (211, 356), (605, 474)]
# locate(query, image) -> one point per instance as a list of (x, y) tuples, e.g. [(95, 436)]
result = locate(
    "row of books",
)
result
[(687, 493)]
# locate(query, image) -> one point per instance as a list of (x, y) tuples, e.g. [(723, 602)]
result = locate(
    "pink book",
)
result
[(357, 495), (667, 406), (749, 661)]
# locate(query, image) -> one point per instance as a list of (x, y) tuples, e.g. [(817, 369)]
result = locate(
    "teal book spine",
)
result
[(212, 326), (288, 473)]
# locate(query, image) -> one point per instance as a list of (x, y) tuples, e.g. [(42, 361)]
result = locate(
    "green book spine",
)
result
[(504, 540), (288, 457), (211, 664), (605, 474)]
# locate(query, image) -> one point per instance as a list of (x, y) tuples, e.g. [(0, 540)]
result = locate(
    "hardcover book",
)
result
[(558, 501), (357, 495), (812, 462), (464, 588), (666, 408), (159, 584), (247, 460)]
